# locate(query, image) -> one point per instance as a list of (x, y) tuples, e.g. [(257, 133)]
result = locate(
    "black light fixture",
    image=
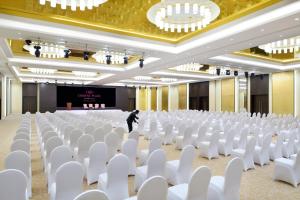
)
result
[(85, 55), (141, 62), (67, 52), (261, 77), (28, 42), (37, 51), (227, 72), (246, 74), (218, 70), (236, 73), (108, 59), (125, 60), (252, 74)]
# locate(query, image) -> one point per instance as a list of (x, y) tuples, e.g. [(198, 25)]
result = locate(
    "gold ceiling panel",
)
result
[(127, 16)]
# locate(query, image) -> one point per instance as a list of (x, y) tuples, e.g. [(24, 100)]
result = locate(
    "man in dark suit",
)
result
[(132, 118)]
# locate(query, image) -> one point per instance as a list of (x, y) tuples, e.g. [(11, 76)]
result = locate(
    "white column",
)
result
[(159, 99), (270, 94), (248, 94), (236, 94), (148, 96), (187, 96), (212, 95), (173, 97), (8, 96), (297, 93), (137, 98), (16, 93), (3, 97), (218, 95)]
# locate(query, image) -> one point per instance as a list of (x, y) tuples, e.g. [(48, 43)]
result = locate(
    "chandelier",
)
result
[(84, 74), (282, 46), (187, 15), (82, 4), (42, 71), (168, 79), (189, 67), (143, 78), (115, 57), (47, 50)]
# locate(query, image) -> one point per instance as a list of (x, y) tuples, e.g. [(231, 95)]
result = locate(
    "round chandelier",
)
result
[(143, 78), (84, 74), (187, 15), (114, 57), (189, 67), (82, 4), (168, 79), (282, 46), (47, 50), (42, 71)]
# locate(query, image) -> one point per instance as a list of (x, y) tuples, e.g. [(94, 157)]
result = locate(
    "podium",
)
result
[(69, 106)]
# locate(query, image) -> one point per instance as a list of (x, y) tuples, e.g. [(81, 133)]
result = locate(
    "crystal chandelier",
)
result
[(48, 50), (82, 4), (115, 57), (189, 67), (143, 78), (168, 79), (42, 71), (84, 74), (187, 15), (282, 46)]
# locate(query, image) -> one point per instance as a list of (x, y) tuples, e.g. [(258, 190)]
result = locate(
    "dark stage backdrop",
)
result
[(80, 95)]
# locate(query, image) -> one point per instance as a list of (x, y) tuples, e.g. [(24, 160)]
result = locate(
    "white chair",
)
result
[(22, 136), (168, 135), (288, 147), (261, 154), (13, 185), (46, 137), (246, 154), (129, 148), (225, 146), (107, 128), (288, 170), (155, 187), (183, 140), (153, 131), (241, 141), (179, 171), (209, 149), (22, 145), (84, 143), (227, 187), (51, 144), (68, 181), (95, 164), (99, 134), (154, 144), (59, 156), (20, 160), (92, 195), (89, 129), (112, 141), (115, 182), (134, 135), (275, 150), (196, 188), (74, 136), (156, 166)]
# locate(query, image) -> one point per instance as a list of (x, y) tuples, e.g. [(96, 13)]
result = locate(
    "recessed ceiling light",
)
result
[(262, 30), (231, 39), (297, 19), (280, 35), (19, 33)]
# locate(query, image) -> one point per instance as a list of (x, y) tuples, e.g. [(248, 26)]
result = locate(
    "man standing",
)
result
[(132, 118)]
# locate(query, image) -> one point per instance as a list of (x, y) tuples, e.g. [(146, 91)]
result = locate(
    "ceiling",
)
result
[(223, 43)]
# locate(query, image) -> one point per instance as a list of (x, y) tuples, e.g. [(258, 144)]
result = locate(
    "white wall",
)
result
[(16, 97), (3, 97), (173, 97), (212, 95), (218, 95)]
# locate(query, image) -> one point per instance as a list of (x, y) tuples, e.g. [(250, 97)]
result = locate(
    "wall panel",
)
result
[(153, 99), (143, 99), (227, 93), (283, 93), (165, 96), (182, 97)]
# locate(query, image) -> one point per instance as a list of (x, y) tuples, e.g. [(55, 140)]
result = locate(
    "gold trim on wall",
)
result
[(153, 99), (165, 98), (127, 17), (283, 92), (227, 93), (182, 90), (143, 99)]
